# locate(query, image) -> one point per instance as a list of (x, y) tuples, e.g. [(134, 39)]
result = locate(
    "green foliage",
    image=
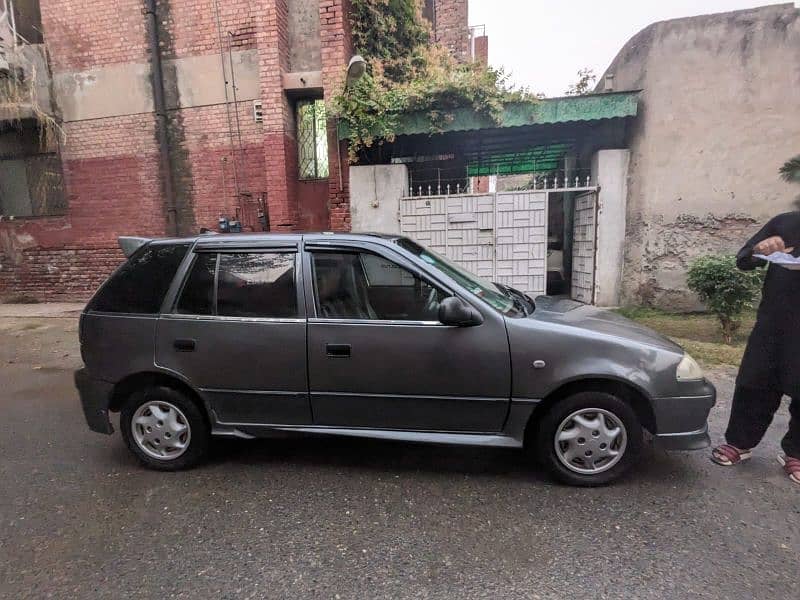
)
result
[(790, 171), (407, 73), (726, 290), (584, 85), (388, 31)]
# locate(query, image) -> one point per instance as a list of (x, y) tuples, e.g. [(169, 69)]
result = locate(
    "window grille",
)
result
[(312, 139)]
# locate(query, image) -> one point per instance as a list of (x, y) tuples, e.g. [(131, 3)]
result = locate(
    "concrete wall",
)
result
[(304, 42), (375, 193), (610, 168), (122, 89), (719, 115)]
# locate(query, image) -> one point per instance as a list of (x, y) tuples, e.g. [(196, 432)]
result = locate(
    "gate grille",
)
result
[(501, 237)]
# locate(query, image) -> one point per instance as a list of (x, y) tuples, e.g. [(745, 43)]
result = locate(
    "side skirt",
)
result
[(512, 436)]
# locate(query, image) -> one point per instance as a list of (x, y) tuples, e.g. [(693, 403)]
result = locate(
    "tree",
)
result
[(584, 85), (790, 171), (726, 290)]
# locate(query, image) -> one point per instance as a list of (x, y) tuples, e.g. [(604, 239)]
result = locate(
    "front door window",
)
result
[(361, 285)]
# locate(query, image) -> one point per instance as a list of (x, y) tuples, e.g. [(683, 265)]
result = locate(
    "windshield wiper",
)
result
[(521, 300)]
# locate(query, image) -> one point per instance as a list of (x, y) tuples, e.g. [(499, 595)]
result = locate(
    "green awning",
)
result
[(549, 111), (536, 160)]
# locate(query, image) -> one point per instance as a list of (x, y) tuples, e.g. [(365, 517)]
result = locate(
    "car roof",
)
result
[(130, 244), (257, 238)]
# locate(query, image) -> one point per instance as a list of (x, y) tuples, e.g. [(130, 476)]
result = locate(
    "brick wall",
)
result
[(481, 49), (214, 168), (192, 25), (280, 148), (81, 34), (67, 274), (452, 27), (112, 167), (337, 48)]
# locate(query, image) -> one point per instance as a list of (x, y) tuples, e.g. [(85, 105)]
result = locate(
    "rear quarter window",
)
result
[(140, 284)]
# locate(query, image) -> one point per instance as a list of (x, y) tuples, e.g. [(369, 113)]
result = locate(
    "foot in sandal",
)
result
[(727, 455), (791, 467)]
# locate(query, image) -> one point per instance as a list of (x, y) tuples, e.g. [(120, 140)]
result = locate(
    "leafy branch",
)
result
[(407, 73), (790, 171)]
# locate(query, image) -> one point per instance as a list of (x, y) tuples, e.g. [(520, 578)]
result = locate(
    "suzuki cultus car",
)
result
[(371, 336)]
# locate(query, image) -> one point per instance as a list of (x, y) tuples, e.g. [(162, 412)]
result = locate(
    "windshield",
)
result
[(486, 291)]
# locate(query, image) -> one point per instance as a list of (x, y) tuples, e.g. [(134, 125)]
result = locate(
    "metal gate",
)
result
[(584, 247), (500, 236)]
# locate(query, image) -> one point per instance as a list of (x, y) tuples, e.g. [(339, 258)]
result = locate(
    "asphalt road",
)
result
[(361, 519)]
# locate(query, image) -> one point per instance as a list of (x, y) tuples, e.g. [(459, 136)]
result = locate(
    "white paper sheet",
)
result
[(787, 261)]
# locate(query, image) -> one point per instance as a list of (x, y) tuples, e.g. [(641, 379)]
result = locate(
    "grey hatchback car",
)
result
[(371, 336)]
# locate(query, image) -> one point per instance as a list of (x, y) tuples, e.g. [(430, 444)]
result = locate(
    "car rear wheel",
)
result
[(589, 438), (164, 429)]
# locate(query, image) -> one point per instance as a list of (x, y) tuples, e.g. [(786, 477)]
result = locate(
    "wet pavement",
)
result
[(332, 518)]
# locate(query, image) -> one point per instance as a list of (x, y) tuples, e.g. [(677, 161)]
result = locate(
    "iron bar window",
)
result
[(312, 139)]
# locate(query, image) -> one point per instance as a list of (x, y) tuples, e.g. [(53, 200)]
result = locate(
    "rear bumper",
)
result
[(95, 397)]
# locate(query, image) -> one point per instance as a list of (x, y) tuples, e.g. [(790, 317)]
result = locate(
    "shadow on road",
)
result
[(390, 457)]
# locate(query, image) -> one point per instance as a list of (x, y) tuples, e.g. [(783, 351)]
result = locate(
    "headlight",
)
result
[(688, 369)]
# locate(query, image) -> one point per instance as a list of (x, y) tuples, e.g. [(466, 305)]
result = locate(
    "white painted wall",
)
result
[(610, 167), (720, 112), (375, 193)]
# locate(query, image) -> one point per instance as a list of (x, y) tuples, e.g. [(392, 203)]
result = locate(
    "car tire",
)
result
[(161, 419), (588, 453)]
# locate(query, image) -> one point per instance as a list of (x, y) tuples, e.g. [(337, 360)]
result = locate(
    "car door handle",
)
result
[(338, 350), (184, 345)]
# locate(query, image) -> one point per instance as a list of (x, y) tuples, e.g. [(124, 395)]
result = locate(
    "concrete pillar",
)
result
[(610, 170), (375, 193)]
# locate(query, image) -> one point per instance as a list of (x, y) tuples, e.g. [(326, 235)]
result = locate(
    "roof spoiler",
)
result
[(130, 244)]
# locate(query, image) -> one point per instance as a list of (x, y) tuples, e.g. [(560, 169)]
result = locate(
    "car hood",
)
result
[(591, 319)]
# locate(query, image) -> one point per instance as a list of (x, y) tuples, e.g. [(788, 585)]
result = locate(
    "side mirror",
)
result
[(454, 311)]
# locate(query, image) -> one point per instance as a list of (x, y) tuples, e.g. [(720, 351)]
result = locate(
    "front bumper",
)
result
[(692, 440), (95, 396), (682, 421)]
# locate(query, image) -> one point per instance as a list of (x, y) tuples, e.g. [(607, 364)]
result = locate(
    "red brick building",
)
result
[(231, 124)]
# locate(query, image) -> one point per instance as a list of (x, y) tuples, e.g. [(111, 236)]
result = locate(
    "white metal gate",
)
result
[(584, 247), (499, 236)]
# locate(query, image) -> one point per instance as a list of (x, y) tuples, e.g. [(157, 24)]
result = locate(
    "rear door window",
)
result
[(242, 284), (140, 284), (257, 285)]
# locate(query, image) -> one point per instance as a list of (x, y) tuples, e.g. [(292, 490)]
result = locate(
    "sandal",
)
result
[(791, 466), (727, 455)]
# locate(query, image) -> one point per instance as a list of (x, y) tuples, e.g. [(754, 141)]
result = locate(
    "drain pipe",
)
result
[(160, 107)]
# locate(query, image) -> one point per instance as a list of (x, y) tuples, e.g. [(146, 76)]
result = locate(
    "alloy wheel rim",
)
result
[(590, 441), (161, 430)]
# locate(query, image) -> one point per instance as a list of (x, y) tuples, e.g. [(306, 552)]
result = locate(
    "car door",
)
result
[(236, 331), (379, 357)]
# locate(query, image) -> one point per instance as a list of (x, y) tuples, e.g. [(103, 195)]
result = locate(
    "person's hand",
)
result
[(772, 245)]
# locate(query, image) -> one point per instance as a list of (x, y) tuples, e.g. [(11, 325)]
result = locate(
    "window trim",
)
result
[(171, 311), (315, 318)]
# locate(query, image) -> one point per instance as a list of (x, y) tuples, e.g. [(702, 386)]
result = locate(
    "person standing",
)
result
[(770, 367)]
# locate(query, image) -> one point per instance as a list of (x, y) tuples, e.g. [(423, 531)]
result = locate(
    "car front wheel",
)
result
[(164, 429), (589, 438)]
